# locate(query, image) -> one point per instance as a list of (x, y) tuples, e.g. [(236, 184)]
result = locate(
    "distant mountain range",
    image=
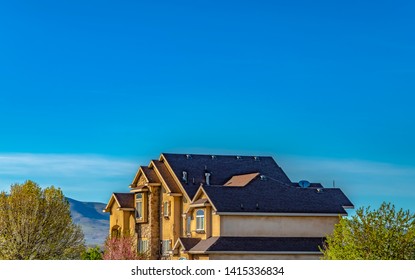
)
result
[(93, 221)]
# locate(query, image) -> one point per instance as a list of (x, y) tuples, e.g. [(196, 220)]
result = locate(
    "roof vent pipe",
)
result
[(207, 177), (188, 156), (185, 176)]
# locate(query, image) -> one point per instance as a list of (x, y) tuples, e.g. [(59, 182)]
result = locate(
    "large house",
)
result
[(224, 207)]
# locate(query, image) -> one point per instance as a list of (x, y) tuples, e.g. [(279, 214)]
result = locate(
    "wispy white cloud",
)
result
[(364, 181), (65, 165), (86, 177), (95, 177)]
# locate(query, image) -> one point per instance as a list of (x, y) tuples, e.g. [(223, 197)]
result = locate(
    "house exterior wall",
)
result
[(182, 255), (172, 224), (216, 224), (122, 219), (151, 229), (156, 228), (277, 226)]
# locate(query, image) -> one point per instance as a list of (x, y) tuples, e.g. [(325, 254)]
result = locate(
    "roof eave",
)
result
[(258, 252), (280, 214)]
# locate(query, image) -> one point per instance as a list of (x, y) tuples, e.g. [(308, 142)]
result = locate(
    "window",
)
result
[(166, 209), (188, 224), (165, 247), (200, 220), (142, 245), (139, 206), (115, 232)]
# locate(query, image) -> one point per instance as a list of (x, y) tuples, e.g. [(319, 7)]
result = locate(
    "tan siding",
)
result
[(215, 225), (277, 226)]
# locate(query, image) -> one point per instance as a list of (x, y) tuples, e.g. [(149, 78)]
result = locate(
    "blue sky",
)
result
[(90, 90)]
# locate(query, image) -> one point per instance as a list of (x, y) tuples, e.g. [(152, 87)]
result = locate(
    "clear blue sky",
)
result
[(90, 90)]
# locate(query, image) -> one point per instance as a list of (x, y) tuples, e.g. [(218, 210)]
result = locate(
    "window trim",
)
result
[(165, 247), (143, 246), (188, 225), (140, 201), (200, 220), (166, 209)]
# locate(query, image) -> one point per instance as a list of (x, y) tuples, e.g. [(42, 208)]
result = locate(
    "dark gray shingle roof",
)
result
[(266, 197), (168, 178), (150, 174), (275, 194), (221, 168), (260, 244), (126, 200), (189, 243)]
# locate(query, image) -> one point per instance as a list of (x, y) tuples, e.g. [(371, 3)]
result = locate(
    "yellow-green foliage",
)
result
[(382, 234), (37, 224)]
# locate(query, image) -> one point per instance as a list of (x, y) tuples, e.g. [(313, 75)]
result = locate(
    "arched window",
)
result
[(200, 220), (115, 232)]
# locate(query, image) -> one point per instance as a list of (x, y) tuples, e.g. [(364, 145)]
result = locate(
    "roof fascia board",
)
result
[(178, 243), (200, 205), (281, 214), (110, 202), (139, 190), (163, 159), (257, 252), (174, 194), (137, 175), (164, 184), (126, 209), (200, 190)]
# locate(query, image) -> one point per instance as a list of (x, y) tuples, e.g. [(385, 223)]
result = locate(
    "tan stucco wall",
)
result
[(208, 232), (167, 222), (215, 225), (263, 257), (172, 225), (200, 257), (123, 219), (265, 226)]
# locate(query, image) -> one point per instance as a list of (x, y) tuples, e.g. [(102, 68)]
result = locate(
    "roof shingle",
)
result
[(259, 244)]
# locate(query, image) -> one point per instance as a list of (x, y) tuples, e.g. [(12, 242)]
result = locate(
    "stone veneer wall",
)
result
[(151, 229)]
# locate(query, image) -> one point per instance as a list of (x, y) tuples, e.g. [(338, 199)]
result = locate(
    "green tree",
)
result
[(382, 234), (37, 224), (94, 253)]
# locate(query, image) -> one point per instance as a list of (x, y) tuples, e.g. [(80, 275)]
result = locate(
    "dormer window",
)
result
[(200, 220)]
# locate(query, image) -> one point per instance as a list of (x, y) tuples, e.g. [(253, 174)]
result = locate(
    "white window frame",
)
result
[(200, 220), (142, 245), (139, 206), (188, 225), (166, 212), (165, 247)]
